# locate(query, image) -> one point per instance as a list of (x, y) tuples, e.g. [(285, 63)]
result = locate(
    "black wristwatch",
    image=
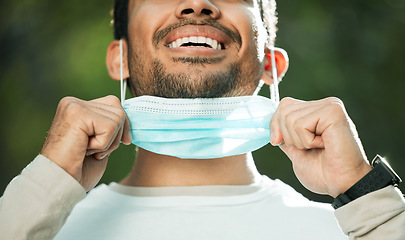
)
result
[(379, 177)]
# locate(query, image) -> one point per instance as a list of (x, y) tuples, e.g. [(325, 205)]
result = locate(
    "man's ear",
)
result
[(113, 60), (281, 58)]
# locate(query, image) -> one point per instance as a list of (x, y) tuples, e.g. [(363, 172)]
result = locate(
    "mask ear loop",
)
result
[(274, 94), (123, 83), (259, 86)]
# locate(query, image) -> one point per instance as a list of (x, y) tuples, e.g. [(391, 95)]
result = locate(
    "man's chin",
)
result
[(184, 81)]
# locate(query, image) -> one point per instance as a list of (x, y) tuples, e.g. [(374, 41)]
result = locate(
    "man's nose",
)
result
[(197, 8)]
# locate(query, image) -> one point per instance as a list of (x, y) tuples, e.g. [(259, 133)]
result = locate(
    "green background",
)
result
[(350, 49)]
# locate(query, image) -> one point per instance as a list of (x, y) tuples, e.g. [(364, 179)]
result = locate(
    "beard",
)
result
[(154, 80), (209, 85)]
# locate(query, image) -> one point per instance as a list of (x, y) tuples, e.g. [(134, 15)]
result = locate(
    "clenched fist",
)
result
[(83, 134), (322, 142)]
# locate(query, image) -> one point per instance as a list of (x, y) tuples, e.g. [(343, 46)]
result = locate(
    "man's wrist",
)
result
[(349, 182)]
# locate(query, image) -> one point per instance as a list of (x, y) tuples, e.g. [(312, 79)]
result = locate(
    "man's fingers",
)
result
[(276, 136), (105, 131), (116, 113), (296, 121), (279, 130), (114, 145), (126, 135), (305, 129), (112, 123), (113, 104), (109, 100), (302, 125)]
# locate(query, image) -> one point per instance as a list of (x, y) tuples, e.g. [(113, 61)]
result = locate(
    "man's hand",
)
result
[(83, 134), (321, 141)]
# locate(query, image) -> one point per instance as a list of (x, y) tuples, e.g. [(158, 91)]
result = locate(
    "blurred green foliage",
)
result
[(350, 49)]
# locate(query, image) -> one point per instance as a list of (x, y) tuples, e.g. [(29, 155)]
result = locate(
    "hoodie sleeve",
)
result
[(36, 204), (377, 215)]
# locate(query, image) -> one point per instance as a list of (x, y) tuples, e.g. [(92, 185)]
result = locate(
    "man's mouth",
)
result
[(197, 41), (202, 37)]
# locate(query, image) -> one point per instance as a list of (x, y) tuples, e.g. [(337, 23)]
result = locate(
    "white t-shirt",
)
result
[(269, 209)]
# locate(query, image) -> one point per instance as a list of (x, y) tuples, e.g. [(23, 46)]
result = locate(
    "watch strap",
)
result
[(379, 177)]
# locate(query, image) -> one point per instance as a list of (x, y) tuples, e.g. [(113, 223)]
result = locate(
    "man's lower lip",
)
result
[(196, 50)]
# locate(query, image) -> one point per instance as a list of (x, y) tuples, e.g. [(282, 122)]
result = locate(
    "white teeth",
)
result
[(214, 44), (179, 42), (196, 39), (208, 41), (201, 39), (193, 39), (185, 40)]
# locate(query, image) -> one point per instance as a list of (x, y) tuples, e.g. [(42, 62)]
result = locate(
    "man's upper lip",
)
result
[(197, 31)]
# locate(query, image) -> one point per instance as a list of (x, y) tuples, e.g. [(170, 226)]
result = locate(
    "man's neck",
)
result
[(154, 170)]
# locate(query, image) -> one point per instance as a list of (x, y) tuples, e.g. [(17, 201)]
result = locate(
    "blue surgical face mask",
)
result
[(201, 128)]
